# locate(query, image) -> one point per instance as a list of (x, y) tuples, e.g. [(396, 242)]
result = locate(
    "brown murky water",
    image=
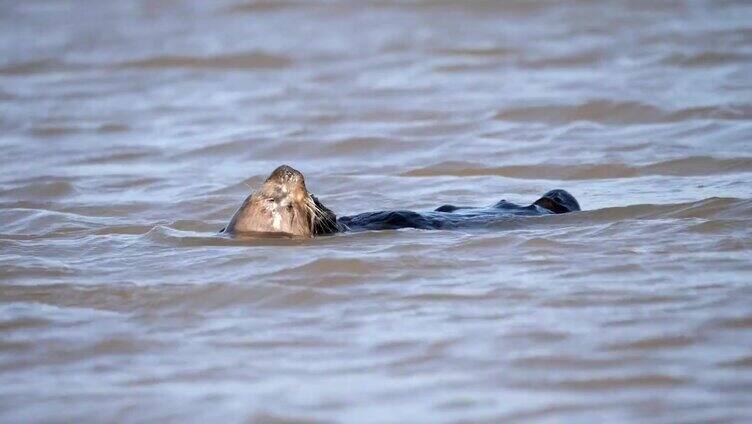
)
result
[(130, 132)]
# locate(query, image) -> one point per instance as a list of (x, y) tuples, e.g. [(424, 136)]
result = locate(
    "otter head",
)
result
[(283, 205)]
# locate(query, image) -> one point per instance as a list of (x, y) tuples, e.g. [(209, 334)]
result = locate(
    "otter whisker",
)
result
[(313, 210), (318, 217), (317, 213)]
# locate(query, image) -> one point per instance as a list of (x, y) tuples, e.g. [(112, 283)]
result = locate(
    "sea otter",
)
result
[(283, 206)]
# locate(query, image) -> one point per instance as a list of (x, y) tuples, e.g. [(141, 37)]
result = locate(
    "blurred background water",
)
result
[(130, 131)]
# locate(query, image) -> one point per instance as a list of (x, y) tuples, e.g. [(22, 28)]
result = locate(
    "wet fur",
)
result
[(283, 205)]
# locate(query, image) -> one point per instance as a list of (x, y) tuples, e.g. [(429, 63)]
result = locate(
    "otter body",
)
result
[(284, 206), (449, 216)]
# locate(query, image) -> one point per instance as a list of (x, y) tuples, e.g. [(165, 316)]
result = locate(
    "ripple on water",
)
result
[(624, 113), (703, 165), (36, 67), (241, 61), (40, 190)]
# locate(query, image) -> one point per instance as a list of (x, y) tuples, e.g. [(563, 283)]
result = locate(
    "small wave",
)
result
[(168, 297), (654, 343), (45, 214), (600, 111), (508, 7), (611, 112), (328, 272), (705, 59), (338, 265), (621, 300), (111, 230), (55, 130), (36, 67), (717, 226), (691, 166), (112, 127), (712, 208), (278, 417), (568, 362), (575, 60), (355, 146), (166, 235), (39, 190), (39, 269), (539, 244), (361, 145), (262, 6), (250, 60), (115, 157), (475, 51), (620, 382), (743, 322), (245, 186), (238, 148), (4, 95), (267, 149), (743, 362), (715, 208), (22, 323)]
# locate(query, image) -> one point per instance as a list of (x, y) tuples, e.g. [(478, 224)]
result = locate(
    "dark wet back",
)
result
[(450, 216)]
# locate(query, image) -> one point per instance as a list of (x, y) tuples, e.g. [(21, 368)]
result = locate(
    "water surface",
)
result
[(130, 132)]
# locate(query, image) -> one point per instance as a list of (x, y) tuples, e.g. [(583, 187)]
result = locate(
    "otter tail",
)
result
[(558, 201)]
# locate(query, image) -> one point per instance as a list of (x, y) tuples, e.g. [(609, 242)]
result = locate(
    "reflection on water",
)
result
[(131, 131)]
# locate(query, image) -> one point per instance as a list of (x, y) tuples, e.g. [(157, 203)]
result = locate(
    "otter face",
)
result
[(282, 205)]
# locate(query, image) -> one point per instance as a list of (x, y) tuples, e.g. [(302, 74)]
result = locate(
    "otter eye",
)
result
[(290, 208)]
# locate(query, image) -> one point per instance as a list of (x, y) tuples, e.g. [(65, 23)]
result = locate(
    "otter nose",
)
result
[(285, 173)]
